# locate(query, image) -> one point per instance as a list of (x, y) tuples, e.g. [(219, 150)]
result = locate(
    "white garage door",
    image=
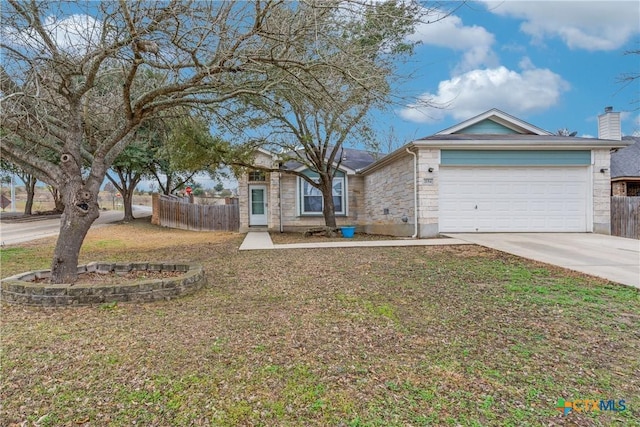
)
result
[(513, 199)]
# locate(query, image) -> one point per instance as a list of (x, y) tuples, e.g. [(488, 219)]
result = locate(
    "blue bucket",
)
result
[(348, 232)]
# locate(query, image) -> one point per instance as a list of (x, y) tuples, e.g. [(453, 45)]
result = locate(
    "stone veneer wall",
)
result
[(273, 203), (619, 188), (388, 197), (601, 191), (243, 203), (20, 289), (428, 192), (291, 221)]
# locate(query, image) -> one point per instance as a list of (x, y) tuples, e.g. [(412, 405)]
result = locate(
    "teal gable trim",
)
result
[(488, 127), (314, 174), (515, 158)]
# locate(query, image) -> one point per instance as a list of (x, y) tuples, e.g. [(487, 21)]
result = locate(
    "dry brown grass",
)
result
[(347, 337)]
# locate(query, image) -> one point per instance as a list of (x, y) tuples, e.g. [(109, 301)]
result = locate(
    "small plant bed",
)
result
[(105, 282), (293, 237), (113, 278)]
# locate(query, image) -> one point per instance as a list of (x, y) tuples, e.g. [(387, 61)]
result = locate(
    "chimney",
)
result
[(609, 125)]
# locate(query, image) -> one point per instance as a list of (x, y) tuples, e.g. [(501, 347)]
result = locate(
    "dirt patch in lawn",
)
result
[(115, 278), (456, 335), (291, 237)]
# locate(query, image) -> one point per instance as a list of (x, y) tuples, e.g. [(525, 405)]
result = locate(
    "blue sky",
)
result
[(555, 64)]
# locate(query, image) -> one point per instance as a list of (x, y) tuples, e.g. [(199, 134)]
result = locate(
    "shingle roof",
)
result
[(351, 158), (506, 137), (626, 161)]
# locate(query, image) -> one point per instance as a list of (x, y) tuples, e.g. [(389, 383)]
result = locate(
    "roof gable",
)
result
[(494, 122)]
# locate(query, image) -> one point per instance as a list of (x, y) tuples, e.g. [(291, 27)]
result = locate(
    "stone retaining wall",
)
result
[(21, 289)]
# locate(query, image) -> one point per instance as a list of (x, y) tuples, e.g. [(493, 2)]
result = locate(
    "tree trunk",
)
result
[(30, 185), (59, 204), (127, 199), (57, 199), (328, 209), (81, 210), (126, 187), (74, 227)]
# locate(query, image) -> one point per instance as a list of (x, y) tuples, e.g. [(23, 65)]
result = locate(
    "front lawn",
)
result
[(439, 336)]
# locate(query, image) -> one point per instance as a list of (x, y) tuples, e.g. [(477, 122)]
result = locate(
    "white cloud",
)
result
[(526, 64), (589, 25), (450, 32), (75, 34), (476, 91)]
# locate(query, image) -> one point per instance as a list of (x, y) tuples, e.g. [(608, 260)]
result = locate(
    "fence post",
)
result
[(155, 207)]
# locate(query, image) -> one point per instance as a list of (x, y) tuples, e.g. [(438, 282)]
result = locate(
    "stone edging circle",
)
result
[(21, 289)]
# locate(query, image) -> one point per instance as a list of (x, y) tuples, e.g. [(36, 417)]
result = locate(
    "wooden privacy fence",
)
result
[(625, 217), (175, 212)]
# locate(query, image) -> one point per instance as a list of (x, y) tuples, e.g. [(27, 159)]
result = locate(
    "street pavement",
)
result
[(13, 232)]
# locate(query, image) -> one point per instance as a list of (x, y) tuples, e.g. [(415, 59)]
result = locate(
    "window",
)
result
[(257, 176), (311, 202)]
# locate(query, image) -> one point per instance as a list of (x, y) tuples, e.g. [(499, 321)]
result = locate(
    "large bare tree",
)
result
[(58, 58), (310, 118)]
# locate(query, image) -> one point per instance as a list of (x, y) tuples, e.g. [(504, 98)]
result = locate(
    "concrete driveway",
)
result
[(614, 258)]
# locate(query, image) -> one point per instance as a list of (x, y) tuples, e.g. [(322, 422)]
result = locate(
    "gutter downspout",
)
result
[(415, 193)]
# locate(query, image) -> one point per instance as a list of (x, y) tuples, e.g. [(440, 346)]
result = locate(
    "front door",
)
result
[(257, 205)]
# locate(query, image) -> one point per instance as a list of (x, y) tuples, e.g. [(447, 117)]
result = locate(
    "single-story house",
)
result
[(625, 169), (491, 173)]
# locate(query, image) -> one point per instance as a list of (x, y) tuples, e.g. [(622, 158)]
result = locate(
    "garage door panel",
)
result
[(500, 199)]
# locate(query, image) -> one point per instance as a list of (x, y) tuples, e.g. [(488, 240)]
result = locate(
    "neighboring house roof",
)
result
[(352, 160), (625, 163)]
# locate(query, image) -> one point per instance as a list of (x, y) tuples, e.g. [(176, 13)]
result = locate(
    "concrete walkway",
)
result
[(613, 258), (262, 240), (256, 240)]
